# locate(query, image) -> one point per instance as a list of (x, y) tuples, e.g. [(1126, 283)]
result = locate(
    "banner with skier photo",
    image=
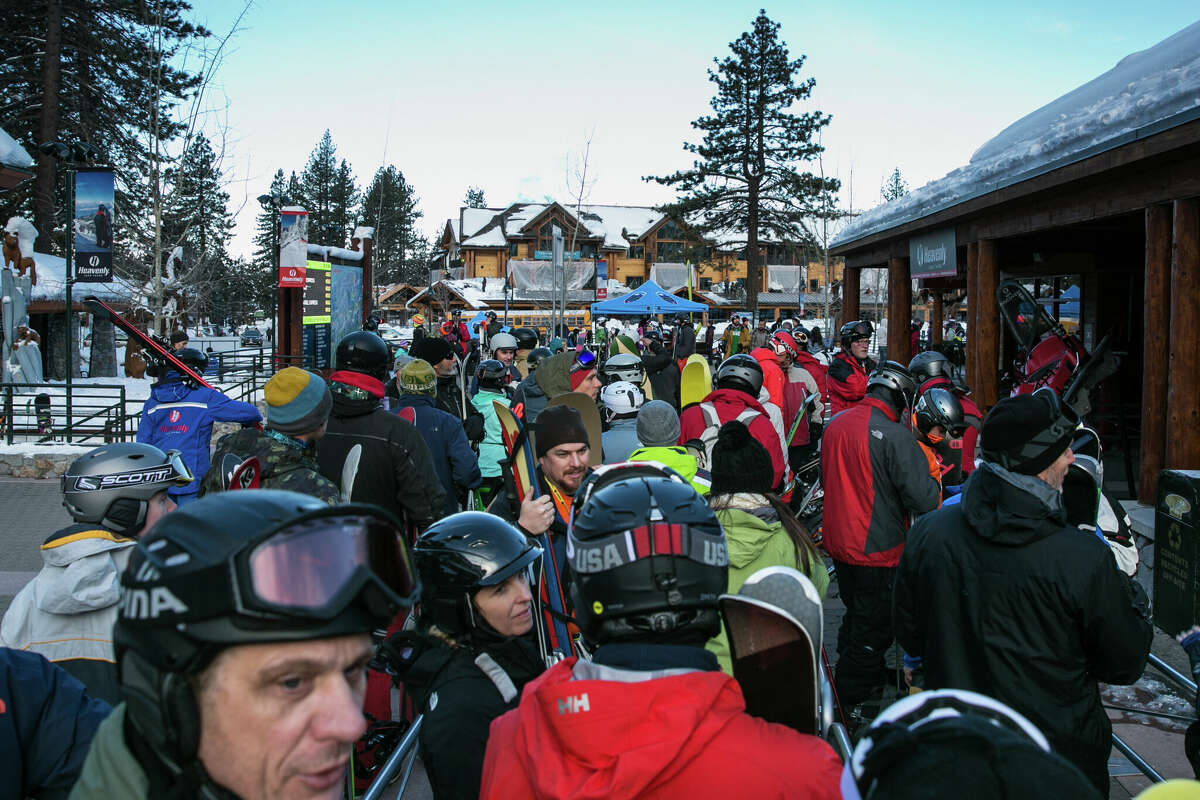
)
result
[(293, 247), (92, 225)]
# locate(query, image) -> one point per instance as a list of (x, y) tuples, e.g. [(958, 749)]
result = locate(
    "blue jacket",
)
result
[(454, 461), (47, 722), (178, 417)]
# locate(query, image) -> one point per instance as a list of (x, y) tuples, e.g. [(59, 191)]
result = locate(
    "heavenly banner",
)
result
[(92, 223)]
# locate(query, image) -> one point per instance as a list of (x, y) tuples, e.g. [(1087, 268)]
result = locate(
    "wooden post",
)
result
[(936, 302), (987, 322), (1183, 371), (850, 294), (972, 312), (899, 311), (1155, 352), (368, 278)]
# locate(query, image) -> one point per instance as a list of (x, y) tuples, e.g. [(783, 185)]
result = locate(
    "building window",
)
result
[(546, 236), (706, 283), (587, 250), (670, 230), (633, 281), (637, 251), (813, 286), (512, 249), (668, 251)]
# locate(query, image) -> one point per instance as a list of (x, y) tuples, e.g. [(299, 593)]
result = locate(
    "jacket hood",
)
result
[(747, 531), (344, 406), (82, 570), (735, 397), (553, 374), (271, 453), (415, 400), (1009, 508), (169, 392), (592, 731), (761, 354)]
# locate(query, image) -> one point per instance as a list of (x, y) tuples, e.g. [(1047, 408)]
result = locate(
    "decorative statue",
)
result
[(19, 236)]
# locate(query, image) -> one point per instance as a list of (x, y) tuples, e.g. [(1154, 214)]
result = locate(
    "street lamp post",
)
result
[(72, 154), (275, 203)]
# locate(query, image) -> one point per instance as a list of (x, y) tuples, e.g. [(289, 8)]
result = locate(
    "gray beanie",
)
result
[(657, 425)]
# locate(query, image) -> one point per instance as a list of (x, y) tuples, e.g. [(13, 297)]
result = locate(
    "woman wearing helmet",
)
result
[(493, 387), (115, 493), (474, 644), (937, 421)]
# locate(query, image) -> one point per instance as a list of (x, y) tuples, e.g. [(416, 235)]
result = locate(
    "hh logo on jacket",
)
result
[(573, 705)]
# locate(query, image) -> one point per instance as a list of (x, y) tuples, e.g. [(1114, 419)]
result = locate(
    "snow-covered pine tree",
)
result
[(475, 198), (746, 176), (895, 186)]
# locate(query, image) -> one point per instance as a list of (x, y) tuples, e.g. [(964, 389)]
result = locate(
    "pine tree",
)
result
[(894, 187), (344, 205), (261, 269), (474, 198), (746, 175), (318, 185), (390, 207)]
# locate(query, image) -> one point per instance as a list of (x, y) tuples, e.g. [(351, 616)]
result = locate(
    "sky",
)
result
[(506, 96)]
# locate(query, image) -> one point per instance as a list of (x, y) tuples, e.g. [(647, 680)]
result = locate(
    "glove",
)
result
[(935, 464)]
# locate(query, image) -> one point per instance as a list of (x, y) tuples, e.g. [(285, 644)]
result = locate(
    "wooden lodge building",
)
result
[(1098, 190)]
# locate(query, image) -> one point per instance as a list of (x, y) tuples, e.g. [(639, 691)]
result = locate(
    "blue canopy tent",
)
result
[(649, 298)]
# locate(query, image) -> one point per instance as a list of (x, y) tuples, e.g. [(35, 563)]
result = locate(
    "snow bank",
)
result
[(12, 153), (1145, 93)]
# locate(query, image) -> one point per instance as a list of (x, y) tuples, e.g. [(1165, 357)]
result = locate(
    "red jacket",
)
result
[(875, 476), (578, 734), (729, 403), (773, 377), (846, 381)]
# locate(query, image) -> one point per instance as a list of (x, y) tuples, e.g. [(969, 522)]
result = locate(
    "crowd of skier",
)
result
[(554, 622)]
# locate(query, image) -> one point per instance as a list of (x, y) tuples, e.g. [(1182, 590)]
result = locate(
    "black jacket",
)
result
[(685, 340), (449, 399), (460, 704), (663, 374), (395, 470), (1000, 596)]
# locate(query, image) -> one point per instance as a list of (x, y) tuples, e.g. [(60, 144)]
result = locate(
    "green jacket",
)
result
[(285, 463), (491, 449), (110, 769), (679, 459), (755, 543)]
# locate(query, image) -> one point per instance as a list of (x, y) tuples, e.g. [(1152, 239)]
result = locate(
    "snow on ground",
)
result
[(50, 448)]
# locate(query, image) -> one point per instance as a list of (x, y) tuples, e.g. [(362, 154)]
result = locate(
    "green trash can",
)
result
[(1176, 550)]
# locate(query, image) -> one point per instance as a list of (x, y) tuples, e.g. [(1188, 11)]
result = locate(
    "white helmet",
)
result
[(622, 397), (503, 341)]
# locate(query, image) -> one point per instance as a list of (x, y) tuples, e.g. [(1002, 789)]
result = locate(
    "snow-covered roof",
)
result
[(324, 253), (12, 153), (489, 227), (51, 276), (482, 293), (1145, 93), (617, 222)]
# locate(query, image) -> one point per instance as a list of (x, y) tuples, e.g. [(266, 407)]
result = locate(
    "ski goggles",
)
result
[(585, 360)]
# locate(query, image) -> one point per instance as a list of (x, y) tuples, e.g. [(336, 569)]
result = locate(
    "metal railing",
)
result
[(38, 413)]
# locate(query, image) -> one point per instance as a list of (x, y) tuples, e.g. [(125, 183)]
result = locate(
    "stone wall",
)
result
[(48, 465)]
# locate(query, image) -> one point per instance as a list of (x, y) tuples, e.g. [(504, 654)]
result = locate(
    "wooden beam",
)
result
[(851, 291), (899, 311), (987, 321), (1155, 349), (1183, 371), (972, 307)]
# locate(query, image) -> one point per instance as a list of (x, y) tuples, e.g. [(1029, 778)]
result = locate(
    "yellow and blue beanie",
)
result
[(297, 401)]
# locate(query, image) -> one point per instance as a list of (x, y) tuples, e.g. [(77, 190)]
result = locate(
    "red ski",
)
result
[(151, 344)]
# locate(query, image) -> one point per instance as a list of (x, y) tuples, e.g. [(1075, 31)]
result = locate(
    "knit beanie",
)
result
[(578, 376), (1024, 434), (432, 349), (558, 425), (739, 462), (297, 401), (418, 377), (657, 424)]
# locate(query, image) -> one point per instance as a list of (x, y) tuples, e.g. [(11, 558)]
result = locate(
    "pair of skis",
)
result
[(153, 345)]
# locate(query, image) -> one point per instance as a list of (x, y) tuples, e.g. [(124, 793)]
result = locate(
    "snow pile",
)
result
[(51, 285), (1145, 93), (320, 252), (12, 153)]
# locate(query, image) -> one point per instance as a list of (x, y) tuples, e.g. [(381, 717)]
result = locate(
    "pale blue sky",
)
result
[(503, 95)]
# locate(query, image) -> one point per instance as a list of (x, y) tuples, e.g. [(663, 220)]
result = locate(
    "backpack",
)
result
[(712, 426)]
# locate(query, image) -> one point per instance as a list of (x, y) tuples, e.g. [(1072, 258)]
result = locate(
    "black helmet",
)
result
[(246, 568), (855, 331), (372, 324), (741, 372), (929, 365), (623, 367), (527, 338), (365, 352), (536, 355), (648, 556), (112, 485), (894, 377), (461, 554), (197, 361), (939, 406), (491, 375)]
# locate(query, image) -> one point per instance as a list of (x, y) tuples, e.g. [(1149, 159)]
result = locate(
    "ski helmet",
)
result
[(461, 554), (365, 352), (527, 338), (741, 372), (897, 380), (929, 365), (648, 557), (784, 343), (939, 406), (503, 341), (622, 398), (112, 485), (855, 331), (492, 375), (623, 367), (246, 568), (197, 361), (536, 355)]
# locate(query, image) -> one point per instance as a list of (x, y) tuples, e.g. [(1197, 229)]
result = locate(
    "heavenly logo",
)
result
[(573, 705), (175, 416), (934, 255)]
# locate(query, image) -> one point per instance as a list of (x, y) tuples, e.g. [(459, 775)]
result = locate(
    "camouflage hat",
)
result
[(417, 377)]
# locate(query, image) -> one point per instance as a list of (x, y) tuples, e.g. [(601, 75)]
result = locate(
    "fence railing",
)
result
[(37, 412)]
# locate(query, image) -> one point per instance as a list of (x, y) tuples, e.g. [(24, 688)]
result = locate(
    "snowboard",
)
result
[(41, 408), (774, 624), (696, 382), (591, 420), (150, 345), (520, 453), (622, 344), (350, 470)]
